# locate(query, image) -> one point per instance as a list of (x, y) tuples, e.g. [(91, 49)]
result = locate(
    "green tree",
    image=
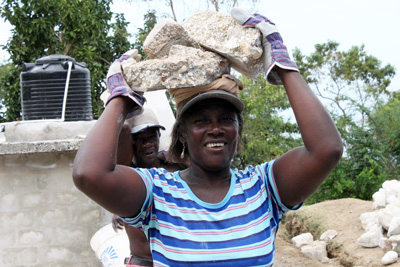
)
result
[(266, 134), (387, 129), (352, 84), (4, 71), (80, 29), (359, 174), (150, 20)]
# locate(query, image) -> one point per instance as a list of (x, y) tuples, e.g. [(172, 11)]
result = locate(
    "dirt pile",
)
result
[(341, 215)]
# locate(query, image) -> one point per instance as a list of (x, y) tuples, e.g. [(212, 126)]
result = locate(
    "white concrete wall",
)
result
[(44, 219)]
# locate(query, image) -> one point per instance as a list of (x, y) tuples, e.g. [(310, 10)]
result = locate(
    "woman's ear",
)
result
[(182, 138), (182, 135)]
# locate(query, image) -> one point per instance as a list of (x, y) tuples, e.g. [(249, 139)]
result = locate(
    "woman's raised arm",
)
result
[(117, 188), (299, 172)]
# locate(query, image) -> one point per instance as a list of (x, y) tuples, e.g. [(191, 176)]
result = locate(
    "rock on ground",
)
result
[(343, 216)]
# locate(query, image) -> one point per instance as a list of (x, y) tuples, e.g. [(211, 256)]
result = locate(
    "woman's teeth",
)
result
[(215, 144)]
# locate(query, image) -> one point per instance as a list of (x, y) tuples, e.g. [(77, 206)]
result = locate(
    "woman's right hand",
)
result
[(117, 86)]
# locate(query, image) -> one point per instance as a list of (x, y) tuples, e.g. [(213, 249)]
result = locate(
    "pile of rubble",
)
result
[(314, 249), (195, 53), (382, 225)]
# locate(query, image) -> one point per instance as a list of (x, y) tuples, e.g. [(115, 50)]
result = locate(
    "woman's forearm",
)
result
[(97, 154), (315, 123)]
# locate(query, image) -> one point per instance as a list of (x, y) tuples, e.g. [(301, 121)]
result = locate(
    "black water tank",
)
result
[(43, 86)]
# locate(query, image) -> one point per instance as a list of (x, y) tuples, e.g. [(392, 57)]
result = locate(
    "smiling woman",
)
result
[(210, 214)]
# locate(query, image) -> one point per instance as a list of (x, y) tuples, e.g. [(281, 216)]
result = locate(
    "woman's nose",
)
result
[(215, 128)]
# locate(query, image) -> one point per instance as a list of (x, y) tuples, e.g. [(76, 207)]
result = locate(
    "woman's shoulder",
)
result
[(160, 173), (253, 168)]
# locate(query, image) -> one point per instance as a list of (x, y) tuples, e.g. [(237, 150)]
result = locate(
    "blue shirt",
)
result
[(186, 231)]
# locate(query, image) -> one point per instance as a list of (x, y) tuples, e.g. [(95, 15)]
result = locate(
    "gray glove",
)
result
[(117, 86), (275, 52)]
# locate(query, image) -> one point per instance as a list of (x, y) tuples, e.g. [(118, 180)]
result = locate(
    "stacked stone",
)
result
[(382, 225), (314, 249), (220, 33), (195, 53)]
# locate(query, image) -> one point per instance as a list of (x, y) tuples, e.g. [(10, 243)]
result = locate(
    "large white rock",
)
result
[(371, 238), (369, 220), (222, 34), (165, 34), (328, 235), (390, 257), (387, 214), (392, 188), (316, 250), (392, 199), (184, 67), (394, 227), (379, 198), (302, 240)]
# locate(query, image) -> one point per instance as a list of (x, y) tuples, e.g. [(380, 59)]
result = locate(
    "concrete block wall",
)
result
[(44, 219)]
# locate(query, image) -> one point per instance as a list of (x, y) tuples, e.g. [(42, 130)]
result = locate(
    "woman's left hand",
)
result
[(275, 52)]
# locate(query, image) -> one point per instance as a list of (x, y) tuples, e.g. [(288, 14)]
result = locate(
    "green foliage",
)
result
[(353, 85), (80, 29), (4, 70), (360, 174), (266, 135), (9, 91), (352, 82), (387, 129)]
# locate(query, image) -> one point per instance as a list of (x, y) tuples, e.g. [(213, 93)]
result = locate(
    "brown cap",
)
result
[(221, 94), (226, 88)]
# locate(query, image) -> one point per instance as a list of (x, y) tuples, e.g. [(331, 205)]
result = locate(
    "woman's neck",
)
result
[(197, 176)]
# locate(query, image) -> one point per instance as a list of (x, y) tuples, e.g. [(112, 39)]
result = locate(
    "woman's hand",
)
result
[(117, 86), (275, 52), (117, 223)]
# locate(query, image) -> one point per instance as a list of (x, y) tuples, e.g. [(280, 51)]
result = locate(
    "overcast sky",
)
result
[(302, 23)]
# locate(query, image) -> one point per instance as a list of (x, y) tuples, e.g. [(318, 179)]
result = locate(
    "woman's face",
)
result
[(211, 132)]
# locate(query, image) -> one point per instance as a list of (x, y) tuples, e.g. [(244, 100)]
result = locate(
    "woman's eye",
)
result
[(228, 119), (200, 120)]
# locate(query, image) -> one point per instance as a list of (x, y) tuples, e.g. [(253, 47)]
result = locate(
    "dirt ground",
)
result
[(341, 215)]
